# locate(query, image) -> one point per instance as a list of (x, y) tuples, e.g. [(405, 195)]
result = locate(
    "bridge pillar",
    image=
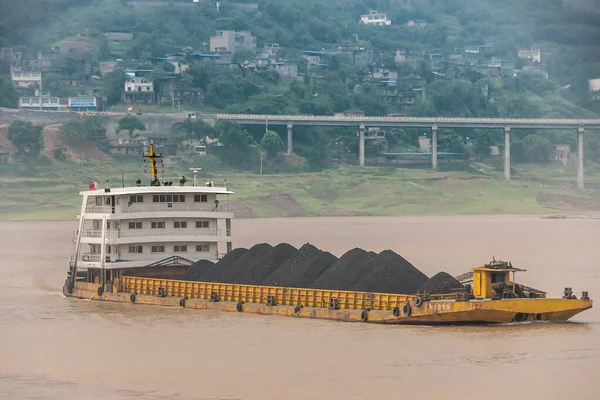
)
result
[(289, 141), (507, 153), (580, 158), (434, 153), (361, 145)]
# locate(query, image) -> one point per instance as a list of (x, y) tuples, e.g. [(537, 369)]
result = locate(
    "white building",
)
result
[(48, 103), (231, 41), (26, 78), (534, 55), (375, 18), (138, 89)]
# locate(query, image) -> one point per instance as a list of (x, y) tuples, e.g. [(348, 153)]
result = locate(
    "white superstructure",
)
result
[(132, 227)]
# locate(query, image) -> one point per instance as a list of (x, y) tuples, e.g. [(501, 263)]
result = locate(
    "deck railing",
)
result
[(160, 207), (139, 233)]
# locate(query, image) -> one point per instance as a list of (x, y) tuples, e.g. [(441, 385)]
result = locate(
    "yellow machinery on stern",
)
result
[(493, 298)]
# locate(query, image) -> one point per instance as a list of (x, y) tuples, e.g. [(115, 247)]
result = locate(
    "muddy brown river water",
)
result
[(52, 347)]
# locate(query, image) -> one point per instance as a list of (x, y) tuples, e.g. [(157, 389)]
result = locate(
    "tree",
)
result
[(271, 143), (239, 147), (8, 95), (131, 123), (26, 137), (89, 128), (484, 138), (194, 128), (115, 82)]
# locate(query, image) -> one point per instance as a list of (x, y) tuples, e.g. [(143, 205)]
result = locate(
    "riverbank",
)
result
[(49, 191)]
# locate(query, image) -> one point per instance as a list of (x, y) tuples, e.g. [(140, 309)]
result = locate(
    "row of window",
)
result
[(139, 249), (168, 198), (162, 224), (183, 248)]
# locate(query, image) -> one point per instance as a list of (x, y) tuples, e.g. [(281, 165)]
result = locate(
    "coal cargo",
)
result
[(348, 269), (254, 271), (390, 273), (302, 268), (441, 282), (224, 272), (197, 270)]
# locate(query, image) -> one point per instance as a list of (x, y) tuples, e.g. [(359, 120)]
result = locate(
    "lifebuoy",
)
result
[(238, 306), (418, 302), (364, 315), (182, 302), (406, 309), (396, 311), (132, 298)]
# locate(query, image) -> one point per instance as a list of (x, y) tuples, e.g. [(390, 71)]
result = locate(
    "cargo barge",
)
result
[(134, 242)]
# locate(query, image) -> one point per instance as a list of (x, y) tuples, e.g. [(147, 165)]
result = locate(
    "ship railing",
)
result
[(136, 233), (99, 209), (91, 233), (160, 207), (88, 257), (166, 207)]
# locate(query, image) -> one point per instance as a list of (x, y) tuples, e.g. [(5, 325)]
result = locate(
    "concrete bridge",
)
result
[(433, 123)]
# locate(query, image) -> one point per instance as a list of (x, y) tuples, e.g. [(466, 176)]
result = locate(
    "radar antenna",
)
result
[(195, 171)]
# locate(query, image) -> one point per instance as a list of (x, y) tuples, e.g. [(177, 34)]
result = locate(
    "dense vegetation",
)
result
[(568, 31)]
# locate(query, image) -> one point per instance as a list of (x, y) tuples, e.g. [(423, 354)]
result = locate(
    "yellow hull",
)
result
[(388, 311)]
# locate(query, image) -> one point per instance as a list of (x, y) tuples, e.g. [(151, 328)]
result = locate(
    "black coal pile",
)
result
[(390, 273), (302, 268), (224, 272), (253, 271), (347, 270), (310, 267), (441, 282), (197, 270)]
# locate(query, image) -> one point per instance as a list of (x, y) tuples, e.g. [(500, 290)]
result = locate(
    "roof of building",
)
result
[(156, 189), (119, 35)]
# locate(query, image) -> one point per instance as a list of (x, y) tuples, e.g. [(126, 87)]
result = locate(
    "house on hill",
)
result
[(138, 89), (119, 36), (231, 41), (375, 18)]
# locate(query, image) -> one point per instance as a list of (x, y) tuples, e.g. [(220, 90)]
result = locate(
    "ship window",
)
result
[(135, 249), (181, 249), (497, 277), (180, 224), (158, 249), (136, 198), (201, 198), (158, 225), (202, 247), (169, 198), (202, 224), (135, 225), (108, 249), (98, 201)]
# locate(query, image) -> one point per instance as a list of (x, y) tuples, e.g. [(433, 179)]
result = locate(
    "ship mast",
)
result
[(153, 156)]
